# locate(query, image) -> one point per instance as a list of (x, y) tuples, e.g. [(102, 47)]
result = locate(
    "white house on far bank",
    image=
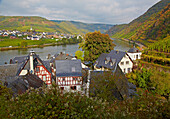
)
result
[(134, 53)]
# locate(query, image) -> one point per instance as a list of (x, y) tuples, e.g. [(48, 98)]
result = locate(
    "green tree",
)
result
[(95, 44), (79, 55)]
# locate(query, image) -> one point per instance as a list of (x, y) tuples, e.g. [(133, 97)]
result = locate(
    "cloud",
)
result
[(98, 11)]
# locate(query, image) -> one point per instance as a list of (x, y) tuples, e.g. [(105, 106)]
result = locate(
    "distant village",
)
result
[(68, 72), (33, 35)]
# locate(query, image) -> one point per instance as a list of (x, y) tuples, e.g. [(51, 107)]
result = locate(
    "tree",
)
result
[(95, 44), (79, 55)]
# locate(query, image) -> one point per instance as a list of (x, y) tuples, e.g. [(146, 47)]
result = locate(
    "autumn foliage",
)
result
[(95, 44)]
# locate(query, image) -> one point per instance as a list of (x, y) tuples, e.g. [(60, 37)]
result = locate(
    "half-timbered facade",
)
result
[(34, 65), (69, 75)]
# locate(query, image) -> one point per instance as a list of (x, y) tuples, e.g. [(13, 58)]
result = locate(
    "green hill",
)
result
[(23, 23), (85, 27), (150, 27)]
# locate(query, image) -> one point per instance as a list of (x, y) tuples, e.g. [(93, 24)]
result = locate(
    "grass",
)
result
[(17, 42)]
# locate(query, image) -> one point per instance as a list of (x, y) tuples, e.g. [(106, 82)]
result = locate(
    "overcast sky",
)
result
[(89, 11)]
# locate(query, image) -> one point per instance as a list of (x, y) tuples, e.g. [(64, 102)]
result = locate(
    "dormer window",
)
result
[(107, 60), (73, 69), (112, 62)]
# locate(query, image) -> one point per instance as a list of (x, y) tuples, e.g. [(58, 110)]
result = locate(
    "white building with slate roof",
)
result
[(134, 53), (108, 61), (69, 74)]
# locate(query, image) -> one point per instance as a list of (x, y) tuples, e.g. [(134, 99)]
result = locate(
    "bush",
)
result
[(51, 103)]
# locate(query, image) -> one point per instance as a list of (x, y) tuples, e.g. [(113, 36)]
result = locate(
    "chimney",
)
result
[(31, 62)]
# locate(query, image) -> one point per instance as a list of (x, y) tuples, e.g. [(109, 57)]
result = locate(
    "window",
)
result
[(127, 62), (128, 69), (75, 78), (62, 88), (63, 79), (73, 87), (122, 63), (124, 70), (136, 56), (44, 78)]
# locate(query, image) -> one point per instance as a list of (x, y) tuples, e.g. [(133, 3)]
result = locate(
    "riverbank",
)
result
[(33, 46), (140, 45)]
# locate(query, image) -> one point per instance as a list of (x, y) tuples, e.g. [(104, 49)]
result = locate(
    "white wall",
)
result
[(68, 88), (23, 72), (133, 55), (124, 67)]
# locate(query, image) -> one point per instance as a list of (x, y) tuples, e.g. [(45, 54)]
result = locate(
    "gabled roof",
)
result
[(121, 89), (18, 59), (113, 57), (23, 83), (133, 50), (118, 55), (26, 60), (47, 65), (68, 68), (101, 61), (62, 56)]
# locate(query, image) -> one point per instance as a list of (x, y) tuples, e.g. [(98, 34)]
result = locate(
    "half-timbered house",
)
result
[(69, 74), (34, 65)]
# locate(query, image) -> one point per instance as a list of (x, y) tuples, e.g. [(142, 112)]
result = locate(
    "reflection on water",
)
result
[(5, 56), (121, 45)]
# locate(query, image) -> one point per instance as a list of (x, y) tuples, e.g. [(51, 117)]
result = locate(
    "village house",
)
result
[(134, 53), (51, 35), (35, 37), (69, 75), (5, 34), (107, 60), (32, 64), (13, 36)]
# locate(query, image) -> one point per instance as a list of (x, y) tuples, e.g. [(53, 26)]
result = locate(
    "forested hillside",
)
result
[(23, 23), (151, 26), (87, 27)]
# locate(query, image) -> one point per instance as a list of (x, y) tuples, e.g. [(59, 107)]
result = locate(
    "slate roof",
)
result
[(26, 60), (133, 50), (8, 72), (113, 57), (122, 87), (18, 59), (68, 68), (47, 65), (62, 56), (23, 83)]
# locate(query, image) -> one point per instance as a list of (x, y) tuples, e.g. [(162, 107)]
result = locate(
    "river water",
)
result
[(5, 56)]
